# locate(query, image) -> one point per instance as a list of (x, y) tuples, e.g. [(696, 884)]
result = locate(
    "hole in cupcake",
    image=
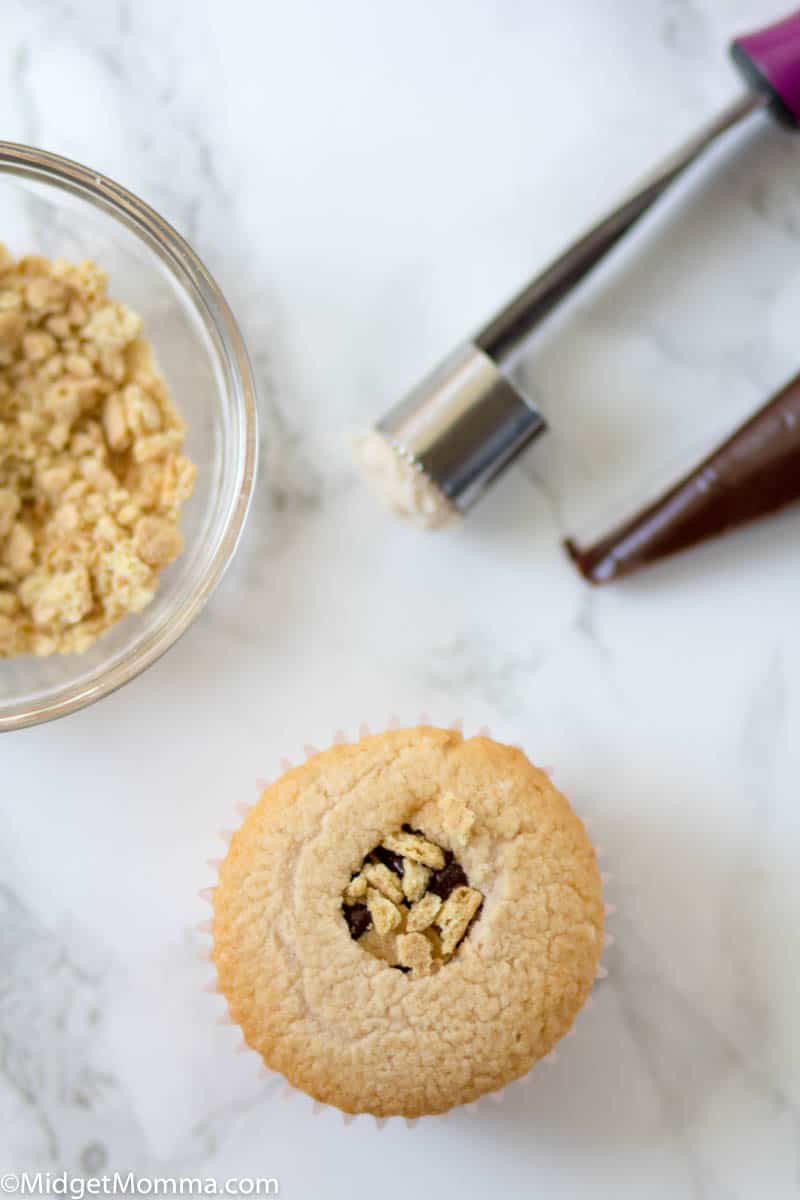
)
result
[(411, 903)]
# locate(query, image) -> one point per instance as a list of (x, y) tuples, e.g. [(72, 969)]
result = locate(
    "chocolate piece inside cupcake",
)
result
[(410, 904)]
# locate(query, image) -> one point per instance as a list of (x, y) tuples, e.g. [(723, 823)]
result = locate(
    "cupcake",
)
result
[(406, 923)]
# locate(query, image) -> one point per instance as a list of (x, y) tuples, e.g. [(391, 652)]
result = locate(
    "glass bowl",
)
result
[(54, 207)]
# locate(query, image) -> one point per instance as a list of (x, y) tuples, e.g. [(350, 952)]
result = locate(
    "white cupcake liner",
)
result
[(287, 1091)]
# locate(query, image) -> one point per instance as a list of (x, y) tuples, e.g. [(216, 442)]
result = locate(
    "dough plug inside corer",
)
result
[(434, 454)]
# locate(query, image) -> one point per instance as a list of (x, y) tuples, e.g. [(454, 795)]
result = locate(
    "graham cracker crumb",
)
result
[(157, 541), (356, 889), (385, 915), (423, 913), (415, 847), (403, 895), (431, 935), (92, 477), (384, 881), (455, 915), (415, 879)]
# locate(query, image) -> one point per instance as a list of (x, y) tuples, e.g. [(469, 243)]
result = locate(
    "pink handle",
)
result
[(770, 61)]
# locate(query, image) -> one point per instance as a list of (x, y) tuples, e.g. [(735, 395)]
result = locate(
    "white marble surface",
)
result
[(368, 181)]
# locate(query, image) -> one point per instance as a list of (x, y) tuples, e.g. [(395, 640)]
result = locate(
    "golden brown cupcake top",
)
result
[(476, 945)]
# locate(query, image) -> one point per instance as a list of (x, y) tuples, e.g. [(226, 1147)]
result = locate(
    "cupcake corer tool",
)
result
[(466, 421)]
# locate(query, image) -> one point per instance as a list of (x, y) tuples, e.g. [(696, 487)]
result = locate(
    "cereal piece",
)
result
[(157, 543), (385, 881), (356, 889), (455, 915), (385, 915), (414, 951), (416, 847), (423, 913), (415, 879)]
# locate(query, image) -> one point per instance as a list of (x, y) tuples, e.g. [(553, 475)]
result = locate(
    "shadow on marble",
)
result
[(694, 1062)]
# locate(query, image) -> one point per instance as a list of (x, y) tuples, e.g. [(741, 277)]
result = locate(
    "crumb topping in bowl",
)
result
[(92, 474)]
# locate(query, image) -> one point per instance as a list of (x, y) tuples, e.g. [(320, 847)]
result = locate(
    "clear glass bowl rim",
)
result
[(103, 193)]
